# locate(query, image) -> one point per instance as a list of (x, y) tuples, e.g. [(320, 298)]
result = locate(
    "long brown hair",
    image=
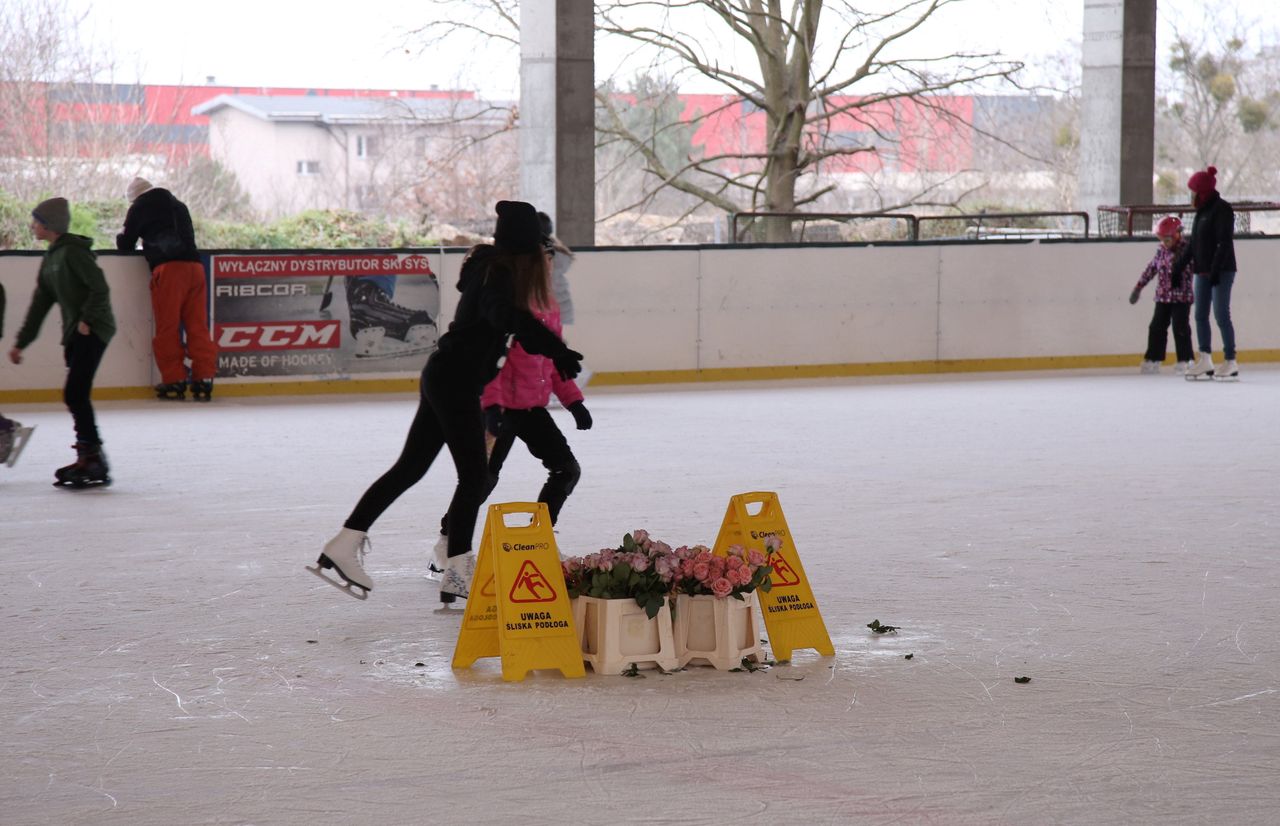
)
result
[(530, 279)]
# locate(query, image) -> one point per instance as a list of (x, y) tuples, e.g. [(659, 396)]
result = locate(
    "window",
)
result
[(308, 167), (367, 146)]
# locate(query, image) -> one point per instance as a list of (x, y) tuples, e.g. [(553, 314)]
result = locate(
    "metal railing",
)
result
[(913, 228), (977, 222), (1118, 220)]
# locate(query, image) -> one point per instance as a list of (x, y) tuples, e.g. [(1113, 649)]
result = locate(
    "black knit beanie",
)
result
[(518, 229)]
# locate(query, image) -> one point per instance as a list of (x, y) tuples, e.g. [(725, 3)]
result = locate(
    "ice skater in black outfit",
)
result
[(499, 284)]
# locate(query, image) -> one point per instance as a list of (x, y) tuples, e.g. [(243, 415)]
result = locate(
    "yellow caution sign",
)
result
[(790, 610), (521, 610)]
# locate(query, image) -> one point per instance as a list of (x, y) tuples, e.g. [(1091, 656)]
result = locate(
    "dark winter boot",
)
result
[(171, 391), (202, 390), (88, 470)]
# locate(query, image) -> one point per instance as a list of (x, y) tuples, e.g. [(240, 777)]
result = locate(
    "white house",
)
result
[(298, 152)]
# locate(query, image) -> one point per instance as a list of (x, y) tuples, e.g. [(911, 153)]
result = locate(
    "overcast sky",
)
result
[(337, 43)]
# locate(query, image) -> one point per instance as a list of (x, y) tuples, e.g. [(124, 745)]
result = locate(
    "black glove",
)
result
[(568, 364), (1133, 296), (493, 420), (581, 416)]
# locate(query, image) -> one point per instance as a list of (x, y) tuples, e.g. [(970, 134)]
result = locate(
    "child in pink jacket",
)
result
[(1173, 300), (515, 406)]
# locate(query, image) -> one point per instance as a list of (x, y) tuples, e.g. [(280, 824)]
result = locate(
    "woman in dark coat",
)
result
[(1212, 254), (499, 282)]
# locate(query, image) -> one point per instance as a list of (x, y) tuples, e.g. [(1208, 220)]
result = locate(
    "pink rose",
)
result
[(703, 554), (639, 563), (773, 543), (734, 563), (717, 566), (639, 535), (755, 558), (700, 571), (735, 550), (721, 587)]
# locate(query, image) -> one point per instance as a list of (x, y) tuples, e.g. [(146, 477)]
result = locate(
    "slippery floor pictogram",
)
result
[(531, 585)]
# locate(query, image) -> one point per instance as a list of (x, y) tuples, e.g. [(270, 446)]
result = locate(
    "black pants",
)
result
[(540, 434), (82, 354), (448, 414), (1158, 332)]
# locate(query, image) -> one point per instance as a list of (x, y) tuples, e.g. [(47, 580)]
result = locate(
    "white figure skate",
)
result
[(1202, 369), (458, 571), (439, 559), (1229, 371), (345, 555)]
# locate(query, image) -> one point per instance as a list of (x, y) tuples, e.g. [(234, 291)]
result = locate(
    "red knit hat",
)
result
[(1168, 227), (1204, 182)]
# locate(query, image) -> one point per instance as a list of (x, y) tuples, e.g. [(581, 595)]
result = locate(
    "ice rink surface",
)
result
[(1112, 536)]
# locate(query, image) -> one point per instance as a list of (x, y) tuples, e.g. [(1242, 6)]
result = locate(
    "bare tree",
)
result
[(1220, 107), (60, 123), (813, 84)]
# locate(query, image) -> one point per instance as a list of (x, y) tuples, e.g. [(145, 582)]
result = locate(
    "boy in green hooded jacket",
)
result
[(71, 278)]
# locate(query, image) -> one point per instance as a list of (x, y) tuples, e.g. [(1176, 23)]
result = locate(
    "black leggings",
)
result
[(539, 432), (82, 354), (448, 414)]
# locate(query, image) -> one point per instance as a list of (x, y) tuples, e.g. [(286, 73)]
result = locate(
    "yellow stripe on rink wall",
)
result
[(889, 368), (643, 377)]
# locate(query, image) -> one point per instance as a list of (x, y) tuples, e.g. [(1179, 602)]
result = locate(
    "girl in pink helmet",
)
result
[(1174, 297)]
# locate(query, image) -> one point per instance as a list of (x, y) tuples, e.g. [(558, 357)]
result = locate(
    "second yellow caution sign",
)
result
[(790, 610), (520, 610)]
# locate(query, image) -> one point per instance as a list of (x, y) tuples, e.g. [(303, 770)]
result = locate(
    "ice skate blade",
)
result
[(347, 587), (23, 435), (1202, 377), (82, 485)]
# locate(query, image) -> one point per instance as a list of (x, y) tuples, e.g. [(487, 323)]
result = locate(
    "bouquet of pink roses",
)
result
[(642, 568), (740, 572)]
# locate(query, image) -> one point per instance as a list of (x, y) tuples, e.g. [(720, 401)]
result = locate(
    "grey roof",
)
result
[(338, 110)]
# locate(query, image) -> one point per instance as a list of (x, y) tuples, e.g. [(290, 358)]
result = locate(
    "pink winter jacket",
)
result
[(527, 381)]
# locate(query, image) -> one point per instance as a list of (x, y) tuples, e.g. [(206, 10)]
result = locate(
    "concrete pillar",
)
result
[(1117, 103), (557, 114)]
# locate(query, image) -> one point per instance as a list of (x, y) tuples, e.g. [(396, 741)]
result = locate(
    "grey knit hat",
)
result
[(54, 213)]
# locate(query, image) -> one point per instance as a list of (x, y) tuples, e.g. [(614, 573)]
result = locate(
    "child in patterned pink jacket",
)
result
[(515, 406), (1174, 298)]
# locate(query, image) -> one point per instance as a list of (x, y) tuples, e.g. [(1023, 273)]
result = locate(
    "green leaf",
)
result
[(876, 627)]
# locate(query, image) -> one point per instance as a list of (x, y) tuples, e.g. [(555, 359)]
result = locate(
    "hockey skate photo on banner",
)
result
[(323, 315)]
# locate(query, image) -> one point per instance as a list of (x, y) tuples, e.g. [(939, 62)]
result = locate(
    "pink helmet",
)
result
[(1168, 227)]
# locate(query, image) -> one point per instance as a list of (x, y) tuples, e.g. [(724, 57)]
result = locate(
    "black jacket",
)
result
[(164, 225), (473, 348), (1212, 249)]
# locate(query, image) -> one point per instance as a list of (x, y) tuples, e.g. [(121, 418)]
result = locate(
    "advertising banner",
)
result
[(323, 315)]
